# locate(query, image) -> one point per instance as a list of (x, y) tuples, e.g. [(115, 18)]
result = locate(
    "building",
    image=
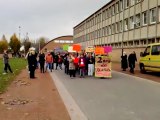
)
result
[(58, 43), (123, 24)]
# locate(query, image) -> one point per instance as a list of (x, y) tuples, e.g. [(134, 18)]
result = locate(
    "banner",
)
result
[(70, 49), (103, 66), (77, 48), (65, 47), (107, 49), (99, 50), (89, 49)]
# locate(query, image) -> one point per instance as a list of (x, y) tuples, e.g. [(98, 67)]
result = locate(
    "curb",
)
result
[(73, 109)]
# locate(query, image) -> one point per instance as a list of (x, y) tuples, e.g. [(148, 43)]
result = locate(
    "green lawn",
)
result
[(17, 64)]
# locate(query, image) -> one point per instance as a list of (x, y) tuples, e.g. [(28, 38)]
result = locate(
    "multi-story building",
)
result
[(123, 24)]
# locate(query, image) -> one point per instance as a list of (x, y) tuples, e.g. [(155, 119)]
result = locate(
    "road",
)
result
[(123, 97)]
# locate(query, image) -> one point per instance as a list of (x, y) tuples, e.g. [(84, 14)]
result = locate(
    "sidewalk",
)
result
[(32, 99), (149, 75)]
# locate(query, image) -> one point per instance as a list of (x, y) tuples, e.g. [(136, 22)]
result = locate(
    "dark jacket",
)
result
[(41, 58), (132, 59), (5, 58), (124, 63), (90, 60)]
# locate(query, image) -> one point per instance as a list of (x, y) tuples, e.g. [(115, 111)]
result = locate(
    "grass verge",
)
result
[(17, 64)]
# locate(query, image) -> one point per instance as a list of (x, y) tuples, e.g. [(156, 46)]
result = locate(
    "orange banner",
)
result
[(99, 50), (77, 48)]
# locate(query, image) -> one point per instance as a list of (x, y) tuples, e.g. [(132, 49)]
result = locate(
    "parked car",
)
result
[(150, 58)]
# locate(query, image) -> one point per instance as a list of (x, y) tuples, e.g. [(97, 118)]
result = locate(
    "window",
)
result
[(137, 21), (156, 50), (117, 27), (126, 24), (126, 3), (137, 1), (159, 14), (131, 22), (121, 5), (132, 2), (113, 10), (113, 28), (109, 29), (121, 26), (147, 51), (117, 7), (153, 15), (144, 19)]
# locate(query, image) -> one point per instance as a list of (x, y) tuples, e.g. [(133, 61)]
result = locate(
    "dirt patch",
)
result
[(32, 99)]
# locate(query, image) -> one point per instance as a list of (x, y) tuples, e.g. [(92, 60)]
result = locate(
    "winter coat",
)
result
[(132, 59), (5, 58), (49, 58), (41, 58), (124, 63)]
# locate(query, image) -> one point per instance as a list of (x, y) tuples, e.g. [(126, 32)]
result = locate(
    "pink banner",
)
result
[(107, 49)]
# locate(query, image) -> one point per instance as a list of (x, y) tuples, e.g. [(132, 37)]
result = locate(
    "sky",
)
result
[(44, 18)]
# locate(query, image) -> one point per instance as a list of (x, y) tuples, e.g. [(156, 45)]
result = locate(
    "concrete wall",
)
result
[(116, 53)]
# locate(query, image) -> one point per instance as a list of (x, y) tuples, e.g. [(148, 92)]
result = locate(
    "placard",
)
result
[(103, 66), (99, 50), (89, 49), (77, 48)]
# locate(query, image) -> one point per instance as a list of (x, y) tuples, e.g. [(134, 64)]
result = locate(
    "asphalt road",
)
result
[(123, 97)]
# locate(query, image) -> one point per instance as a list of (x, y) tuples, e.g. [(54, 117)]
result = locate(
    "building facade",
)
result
[(58, 43), (127, 24)]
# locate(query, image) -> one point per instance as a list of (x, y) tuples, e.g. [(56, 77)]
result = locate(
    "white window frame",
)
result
[(152, 15), (144, 16), (138, 20), (131, 22), (126, 24)]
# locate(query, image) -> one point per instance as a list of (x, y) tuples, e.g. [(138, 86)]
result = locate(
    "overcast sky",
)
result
[(44, 18)]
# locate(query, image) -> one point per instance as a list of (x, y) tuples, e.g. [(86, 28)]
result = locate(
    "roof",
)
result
[(58, 38), (95, 13)]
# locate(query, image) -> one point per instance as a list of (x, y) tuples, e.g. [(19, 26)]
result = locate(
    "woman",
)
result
[(32, 63), (41, 61), (124, 63), (82, 64), (71, 66)]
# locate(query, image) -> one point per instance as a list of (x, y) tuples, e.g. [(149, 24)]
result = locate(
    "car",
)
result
[(150, 58)]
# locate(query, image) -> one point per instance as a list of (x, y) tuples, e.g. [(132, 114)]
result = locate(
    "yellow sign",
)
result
[(90, 49)]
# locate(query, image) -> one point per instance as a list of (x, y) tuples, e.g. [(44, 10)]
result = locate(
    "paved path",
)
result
[(123, 97)]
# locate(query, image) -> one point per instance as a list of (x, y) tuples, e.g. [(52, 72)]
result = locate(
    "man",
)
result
[(90, 63), (6, 62), (132, 59), (49, 61)]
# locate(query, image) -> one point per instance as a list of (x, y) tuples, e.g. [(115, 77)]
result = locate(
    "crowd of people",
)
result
[(128, 61), (75, 64)]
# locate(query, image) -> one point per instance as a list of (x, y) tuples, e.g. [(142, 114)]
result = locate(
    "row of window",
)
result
[(63, 41), (108, 12), (147, 17)]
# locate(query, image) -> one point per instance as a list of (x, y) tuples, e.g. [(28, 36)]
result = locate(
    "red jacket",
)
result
[(49, 58)]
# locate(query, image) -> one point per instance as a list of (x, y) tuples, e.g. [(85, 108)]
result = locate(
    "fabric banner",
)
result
[(103, 66), (89, 49), (107, 49), (77, 48), (65, 47), (99, 50), (70, 49)]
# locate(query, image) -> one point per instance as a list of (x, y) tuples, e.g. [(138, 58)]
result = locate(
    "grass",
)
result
[(17, 64)]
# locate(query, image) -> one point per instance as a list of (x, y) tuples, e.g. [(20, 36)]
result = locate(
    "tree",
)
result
[(3, 44), (15, 43), (27, 45), (42, 42)]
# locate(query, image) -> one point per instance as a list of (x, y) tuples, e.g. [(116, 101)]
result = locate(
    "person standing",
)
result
[(41, 61), (71, 66), (132, 59), (32, 63), (60, 61), (49, 61), (90, 63), (66, 64), (56, 60), (124, 63), (6, 62), (53, 55), (82, 63)]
